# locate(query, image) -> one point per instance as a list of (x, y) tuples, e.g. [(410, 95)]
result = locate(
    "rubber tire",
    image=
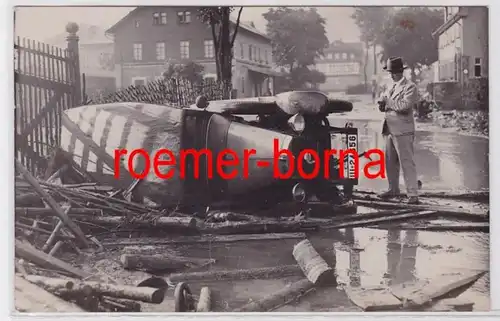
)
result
[(181, 301)]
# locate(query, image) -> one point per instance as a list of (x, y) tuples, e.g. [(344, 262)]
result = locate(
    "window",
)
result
[(330, 56), (184, 16), (184, 49), (254, 53), (352, 56), (160, 51), (156, 18), (477, 67), (138, 51), (242, 51), (344, 55), (266, 57), (160, 18), (209, 48), (136, 23), (337, 56), (250, 52), (242, 85), (260, 57)]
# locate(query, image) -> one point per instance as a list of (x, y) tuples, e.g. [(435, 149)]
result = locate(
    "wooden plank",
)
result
[(33, 299), (53, 204), (374, 221), (421, 293), (438, 208), (30, 253), (374, 299), (208, 239), (452, 227), (465, 195)]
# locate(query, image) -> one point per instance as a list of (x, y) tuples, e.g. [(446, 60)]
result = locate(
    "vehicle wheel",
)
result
[(328, 193), (183, 298)]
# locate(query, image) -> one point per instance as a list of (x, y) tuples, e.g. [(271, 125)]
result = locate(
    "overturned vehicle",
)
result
[(251, 152)]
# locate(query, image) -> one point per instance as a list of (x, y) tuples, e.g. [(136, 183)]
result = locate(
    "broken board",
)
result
[(423, 293), (374, 299)]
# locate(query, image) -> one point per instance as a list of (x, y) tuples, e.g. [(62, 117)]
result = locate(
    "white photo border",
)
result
[(7, 164)]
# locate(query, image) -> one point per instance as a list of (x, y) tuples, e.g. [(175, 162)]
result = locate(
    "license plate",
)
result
[(346, 142)]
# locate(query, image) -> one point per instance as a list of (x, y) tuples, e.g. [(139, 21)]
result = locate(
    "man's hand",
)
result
[(382, 102)]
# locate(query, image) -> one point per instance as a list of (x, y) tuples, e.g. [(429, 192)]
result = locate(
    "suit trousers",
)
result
[(399, 153)]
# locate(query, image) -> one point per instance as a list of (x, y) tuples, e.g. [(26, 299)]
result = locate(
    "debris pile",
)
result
[(59, 223), (471, 122)]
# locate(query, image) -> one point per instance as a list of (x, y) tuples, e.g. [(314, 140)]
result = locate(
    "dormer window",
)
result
[(184, 16)]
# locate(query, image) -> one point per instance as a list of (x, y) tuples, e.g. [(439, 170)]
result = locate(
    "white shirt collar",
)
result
[(400, 81)]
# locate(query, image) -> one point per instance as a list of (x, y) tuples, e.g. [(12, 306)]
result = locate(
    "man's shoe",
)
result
[(388, 194), (413, 200)]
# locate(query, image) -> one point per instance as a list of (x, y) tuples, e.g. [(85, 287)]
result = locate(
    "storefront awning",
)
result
[(264, 71)]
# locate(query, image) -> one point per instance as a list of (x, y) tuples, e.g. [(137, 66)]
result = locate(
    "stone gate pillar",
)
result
[(73, 48)]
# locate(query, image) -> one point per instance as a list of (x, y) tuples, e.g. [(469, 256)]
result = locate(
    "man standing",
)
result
[(399, 130)]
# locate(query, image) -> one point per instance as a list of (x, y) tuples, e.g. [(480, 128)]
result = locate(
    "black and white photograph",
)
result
[(174, 159)]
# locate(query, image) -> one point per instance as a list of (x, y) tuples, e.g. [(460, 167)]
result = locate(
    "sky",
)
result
[(42, 23)]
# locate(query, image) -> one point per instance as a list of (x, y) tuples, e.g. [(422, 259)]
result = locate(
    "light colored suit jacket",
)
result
[(399, 118)]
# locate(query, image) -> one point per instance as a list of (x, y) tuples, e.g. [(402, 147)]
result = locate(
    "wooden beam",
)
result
[(423, 207), (375, 221), (32, 299), (30, 253), (53, 204)]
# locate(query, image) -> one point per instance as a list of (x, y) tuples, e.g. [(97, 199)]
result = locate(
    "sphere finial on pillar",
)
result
[(72, 28)]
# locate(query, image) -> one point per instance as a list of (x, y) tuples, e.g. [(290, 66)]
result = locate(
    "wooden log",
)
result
[(144, 294), (52, 236), (155, 263), (121, 305), (204, 301), (53, 204), (28, 199), (30, 253), (207, 239), (450, 227), (312, 264), (374, 299), (43, 211), (50, 284), (264, 227), (237, 275), (442, 209), (374, 221), (56, 248), (33, 299), (162, 222), (41, 230), (279, 298), (478, 196)]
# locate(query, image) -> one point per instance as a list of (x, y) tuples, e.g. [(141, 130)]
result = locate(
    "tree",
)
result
[(370, 21), (408, 34), (219, 20), (190, 71), (298, 38)]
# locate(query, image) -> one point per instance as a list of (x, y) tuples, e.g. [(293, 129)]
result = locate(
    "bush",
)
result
[(357, 89)]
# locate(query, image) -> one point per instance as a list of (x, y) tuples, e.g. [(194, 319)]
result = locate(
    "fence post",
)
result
[(73, 48)]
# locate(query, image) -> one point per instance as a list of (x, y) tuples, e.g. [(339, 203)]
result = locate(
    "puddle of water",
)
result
[(445, 161), (394, 256)]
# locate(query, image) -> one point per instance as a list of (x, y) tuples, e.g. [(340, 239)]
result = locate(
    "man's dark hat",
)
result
[(395, 64)]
